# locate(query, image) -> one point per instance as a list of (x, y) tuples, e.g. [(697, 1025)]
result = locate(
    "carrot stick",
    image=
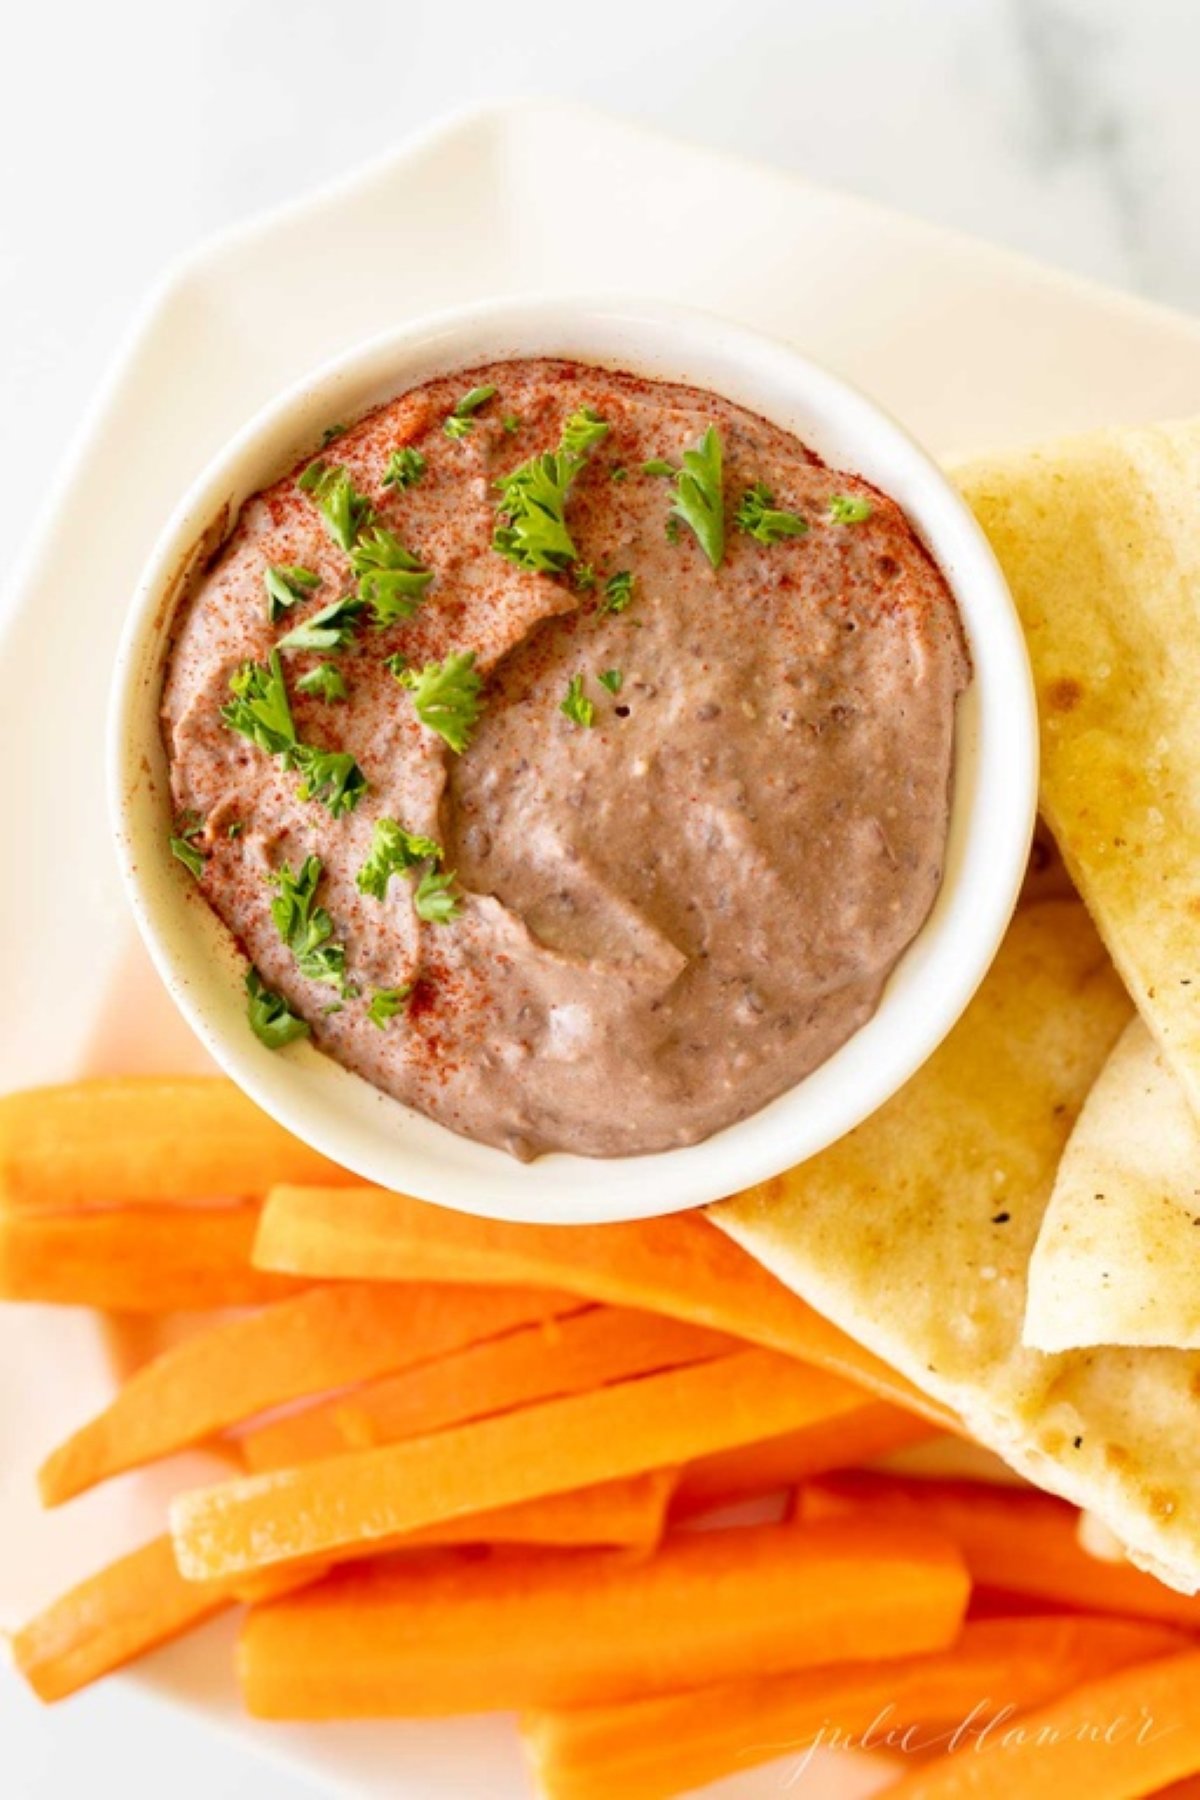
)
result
[(572, 1442), (438, 1634), (113, 1616), (554, 1356), (127, 1608), (562, 1356), (628, 1513), (872, 1429), (134, 1140), (324, 1338), (1115, 1738), (650, 1749), (140, 1260), (1012, 1538), (681, 1266)]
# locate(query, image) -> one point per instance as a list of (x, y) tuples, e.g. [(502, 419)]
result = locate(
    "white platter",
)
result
[(968, 346)]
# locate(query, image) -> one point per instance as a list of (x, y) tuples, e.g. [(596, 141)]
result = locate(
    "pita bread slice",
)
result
[(1100, 540), (915, 1232), (1117, 1260)]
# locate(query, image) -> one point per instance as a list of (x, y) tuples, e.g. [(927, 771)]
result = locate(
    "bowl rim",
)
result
[(992, 807)]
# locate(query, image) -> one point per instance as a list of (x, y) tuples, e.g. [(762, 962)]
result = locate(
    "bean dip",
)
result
[(662, 819)]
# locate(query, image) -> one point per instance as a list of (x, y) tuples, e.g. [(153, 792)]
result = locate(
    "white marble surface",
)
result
[(1066, 128)]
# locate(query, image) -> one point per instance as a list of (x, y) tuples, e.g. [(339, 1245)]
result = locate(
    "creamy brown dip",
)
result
[(668, 916)]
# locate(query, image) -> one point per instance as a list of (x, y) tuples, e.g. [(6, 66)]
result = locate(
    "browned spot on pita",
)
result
[(1063, 694)]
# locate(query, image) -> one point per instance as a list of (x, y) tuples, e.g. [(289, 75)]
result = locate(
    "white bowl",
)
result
[(995, 773)]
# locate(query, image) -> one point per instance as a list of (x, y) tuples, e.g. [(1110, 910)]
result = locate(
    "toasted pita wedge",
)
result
[(914, 1233), (1100, 540), (1118, 1256)]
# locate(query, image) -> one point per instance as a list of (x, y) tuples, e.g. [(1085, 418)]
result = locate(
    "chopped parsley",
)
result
[(531, 528), (583, 431), (330, 433), (760, 518), (618, 473), (618, 592), (390, 578), (404, 468), (435, 900), (671, 530), (584, 577), (396, 663), (658, 465), (394, 851), (576, 705), (331, 776), (329, 629), (307, 928), (326, 681), (235, 829), (849, 509), (510, 424), (285, 584), (700, 495), (612, 679), (446, 697), (260, 709), (188, 827), (461, 420), (386, 1003), (271, 1019), (345, 511)]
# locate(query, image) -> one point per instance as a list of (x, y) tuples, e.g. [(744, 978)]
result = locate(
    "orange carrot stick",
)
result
[(872, 1429), (554, 1356), (681, 1265), (324, 1338), (1012, 1538), (562, 1356), (438, 1634), (134, 1140), (650, 1749), (1115, 1738), (573, 1442), (628, 1513), (140, 1260), (114, 1616), (124, 1610)]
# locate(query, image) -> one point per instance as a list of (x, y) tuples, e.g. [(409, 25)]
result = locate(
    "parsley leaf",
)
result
[(236, 829), (578, 708), (260, 709), (390, 577), (618, 592), (330, 433), (404, 468), (307, 928), (446, 696), (396, 663), (671, 530), (386, 1003), (329, 629), (331, 776), (285, 584), (460, 421), (531, 528), (700, 494), (612, 679), (271, 1019), (326, 681), (345, 511), (188, 826), (618, 473), (658, 465), (435, 900), (582, 432), (849, 509), (394, 851), (510, 424), (584, 577), (762, 519)]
